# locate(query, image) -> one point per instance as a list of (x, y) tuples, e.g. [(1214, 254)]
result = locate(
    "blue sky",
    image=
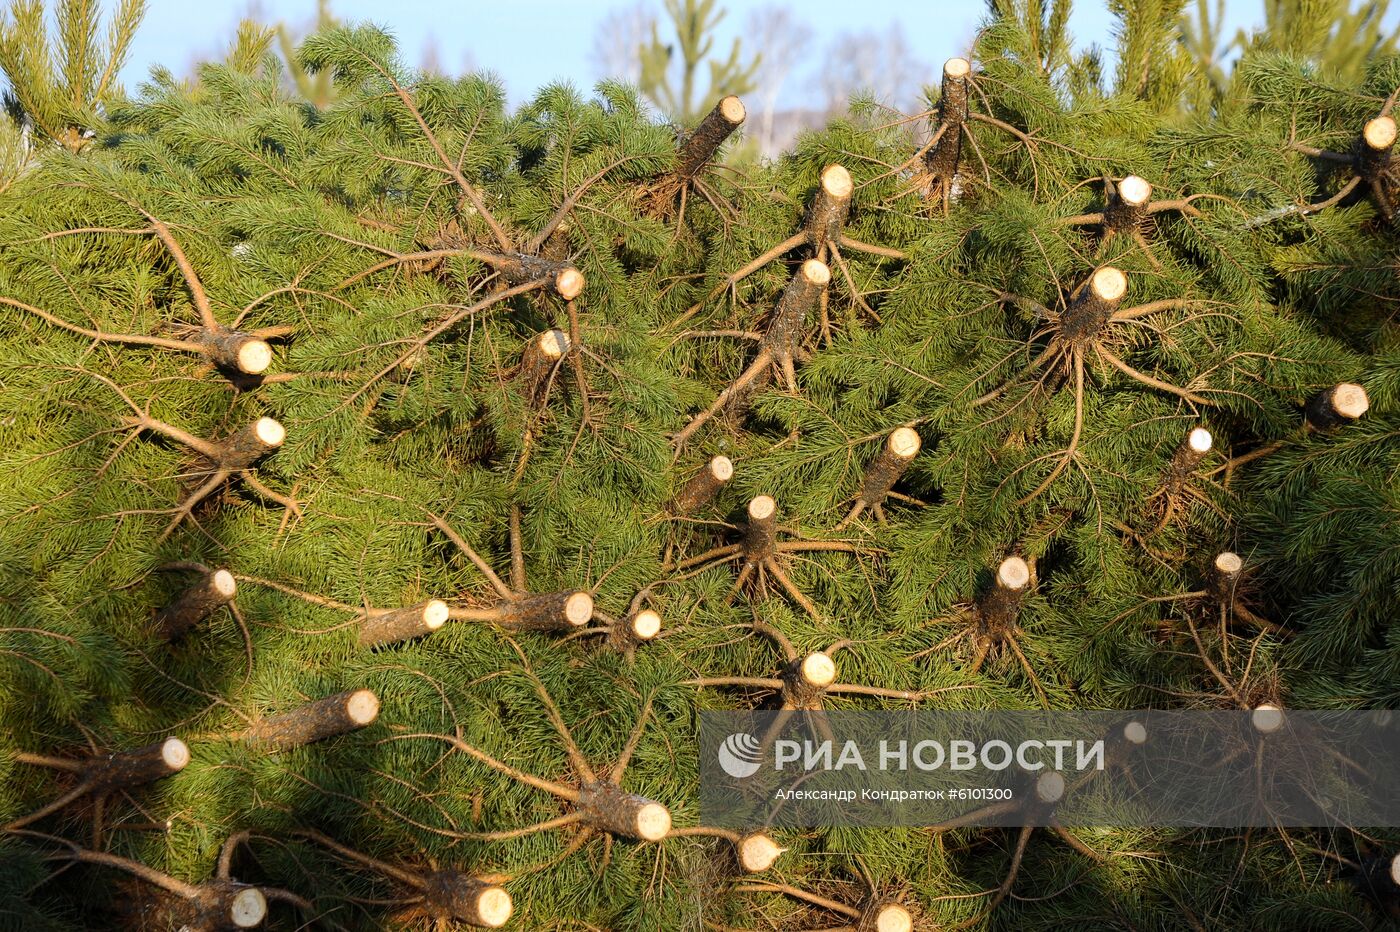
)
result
[(530, 42)]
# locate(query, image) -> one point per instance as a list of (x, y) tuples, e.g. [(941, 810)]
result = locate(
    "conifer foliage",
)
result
[(388, 482)]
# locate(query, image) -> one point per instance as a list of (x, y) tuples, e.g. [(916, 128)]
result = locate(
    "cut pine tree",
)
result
[(315, 721)]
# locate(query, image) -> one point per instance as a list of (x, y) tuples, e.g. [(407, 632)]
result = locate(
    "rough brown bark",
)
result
[(251, 444), (761, 533), (941, 162), (1127, 208), (608, 807), (316, 721), (1188, 456), (239, 352), (1090, 310), (451, 894), (1225, 573), (520, 269), (701, 145), (539, 360), (802, 296), (830, 207), (1338, 405), (703, 487), (806, 681), (1000, 606), (197, 603), (551, 611), (134, 768), (884, 471), (400, 624)]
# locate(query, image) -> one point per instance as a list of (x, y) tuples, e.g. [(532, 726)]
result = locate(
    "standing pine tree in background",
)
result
[(387, 484), (60, 81), (671, 70)]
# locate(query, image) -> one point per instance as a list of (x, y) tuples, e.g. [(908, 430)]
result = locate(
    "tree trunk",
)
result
[(941, 162), (757, 853), (1000, 606), (885, 917), (1089, 311), (761, 534), (1336, 406), (134, 768), (703, 487), (316, 721), (635, 629), (565, 610), (1380, 877), (520, 269), (830, 207), (805, 682), (608, 807), (700, 146), (539, 360), (238, 352), (197, 603), (251, 444), (884, 471), (451, 894), (1225, 573), (1377, 144), (789, 324), (401, 624), (223, 906), (1188, 456), (1127, 208)]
